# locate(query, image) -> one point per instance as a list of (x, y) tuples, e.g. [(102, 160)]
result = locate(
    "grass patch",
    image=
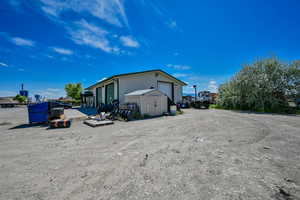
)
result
[(179, 112), (215, 106)]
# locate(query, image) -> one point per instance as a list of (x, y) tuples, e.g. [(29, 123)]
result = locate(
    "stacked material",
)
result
[(60, 123), (58, 119), (57, 113)]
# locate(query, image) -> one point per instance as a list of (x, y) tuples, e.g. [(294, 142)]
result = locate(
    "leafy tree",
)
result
[(20, 98), (265, 85), (73, 90)]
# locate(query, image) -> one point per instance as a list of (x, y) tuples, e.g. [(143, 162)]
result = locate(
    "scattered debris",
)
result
[(288, 180), (175, 150), (85, 174), (198, 139), (266, 147), (282, 194), (143, 164)]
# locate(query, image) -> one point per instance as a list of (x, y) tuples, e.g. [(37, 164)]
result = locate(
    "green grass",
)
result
[(215, 106), (288, 111), (179, 112)]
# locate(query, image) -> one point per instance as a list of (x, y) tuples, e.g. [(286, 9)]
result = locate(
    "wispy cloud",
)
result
[(180, 75), (7, 93), (212, 86), (179, 67), (3, 64), (84, 33), (22, 42), (110, 11), (172, 24), (210, 83), (129, 41), (62, 51), (50, 92)]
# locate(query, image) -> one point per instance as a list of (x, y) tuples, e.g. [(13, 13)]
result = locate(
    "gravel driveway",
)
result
[(202, 154)]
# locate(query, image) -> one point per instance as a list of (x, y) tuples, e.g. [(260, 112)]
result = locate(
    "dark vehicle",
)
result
[(185, 105), (59, 104)]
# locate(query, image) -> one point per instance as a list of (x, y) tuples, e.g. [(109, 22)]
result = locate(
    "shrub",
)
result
[(20, 99), (264, 86)]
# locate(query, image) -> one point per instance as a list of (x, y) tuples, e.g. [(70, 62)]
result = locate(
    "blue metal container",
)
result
[(24, 93), (38, 113)]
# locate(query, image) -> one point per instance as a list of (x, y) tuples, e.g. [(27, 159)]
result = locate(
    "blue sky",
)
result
[(48, 43)]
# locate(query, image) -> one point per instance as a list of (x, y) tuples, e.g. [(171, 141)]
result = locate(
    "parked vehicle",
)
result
[(59, 104), (203, 101)]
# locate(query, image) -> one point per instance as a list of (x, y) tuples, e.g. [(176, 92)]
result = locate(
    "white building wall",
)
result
[(134, 82), (131, 83)]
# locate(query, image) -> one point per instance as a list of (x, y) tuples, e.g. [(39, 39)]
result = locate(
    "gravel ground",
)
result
[(202, 154)]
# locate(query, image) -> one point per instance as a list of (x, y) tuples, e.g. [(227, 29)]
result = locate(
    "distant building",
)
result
[(6, 102)]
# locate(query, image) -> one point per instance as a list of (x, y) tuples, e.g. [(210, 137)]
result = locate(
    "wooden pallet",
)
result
[(96, 123)]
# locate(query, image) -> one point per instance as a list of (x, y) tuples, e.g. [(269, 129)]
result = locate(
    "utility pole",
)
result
[(195, 87)]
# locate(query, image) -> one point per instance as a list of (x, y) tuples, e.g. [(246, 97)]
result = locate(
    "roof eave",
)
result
[(128, 74)]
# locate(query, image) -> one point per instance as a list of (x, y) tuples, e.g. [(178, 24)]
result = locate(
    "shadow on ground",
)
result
[(87, 111), (28, 126)]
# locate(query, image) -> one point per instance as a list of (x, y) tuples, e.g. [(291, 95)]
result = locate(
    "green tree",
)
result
[(20, 99), (265, 85), (73, 90)]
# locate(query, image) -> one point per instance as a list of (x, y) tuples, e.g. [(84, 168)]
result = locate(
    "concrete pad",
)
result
[(75, 114)]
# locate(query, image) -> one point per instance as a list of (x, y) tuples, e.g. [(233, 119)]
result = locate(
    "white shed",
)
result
[(150, 101)]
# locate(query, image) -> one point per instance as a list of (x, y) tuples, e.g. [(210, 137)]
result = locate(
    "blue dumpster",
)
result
[(38, 112)]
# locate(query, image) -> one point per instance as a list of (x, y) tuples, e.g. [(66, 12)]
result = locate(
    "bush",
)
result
[(264, 86), (20, 99)]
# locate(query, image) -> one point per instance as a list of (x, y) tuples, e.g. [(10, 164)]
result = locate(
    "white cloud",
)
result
[(7, 93), (180, 75), (22, 42), (212, 86), (179, 67), (110, 11), (62, 51), (129, 41), (53, 89), (50, 92), (3, 64), (84, 33), (172, 24)]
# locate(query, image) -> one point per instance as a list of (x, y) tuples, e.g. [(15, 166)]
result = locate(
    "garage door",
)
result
[(166, 88), (109, 97)]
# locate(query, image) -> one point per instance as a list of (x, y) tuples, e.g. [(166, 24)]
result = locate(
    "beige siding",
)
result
[(177, 93), (153, 104), (131, 83), (142, 81)]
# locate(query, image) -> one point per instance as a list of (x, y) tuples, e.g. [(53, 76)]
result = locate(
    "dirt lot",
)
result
[(202, 154)]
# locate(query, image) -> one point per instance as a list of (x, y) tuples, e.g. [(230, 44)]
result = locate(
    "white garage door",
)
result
[(166, 88)]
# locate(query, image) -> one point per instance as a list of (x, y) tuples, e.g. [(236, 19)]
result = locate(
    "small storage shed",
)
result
[(150, 101)]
